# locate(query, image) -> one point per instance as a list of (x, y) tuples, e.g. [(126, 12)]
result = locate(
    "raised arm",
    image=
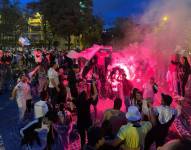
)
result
[(114, 142), (175, 62), (33, 71)]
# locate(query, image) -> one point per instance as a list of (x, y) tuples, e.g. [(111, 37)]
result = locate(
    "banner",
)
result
[(87, 53), (24, 41), (90, 52), (73, 54)]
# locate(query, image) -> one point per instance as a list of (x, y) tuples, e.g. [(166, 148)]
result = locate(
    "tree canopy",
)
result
[(11, 20), (70, 17), (67, 17)]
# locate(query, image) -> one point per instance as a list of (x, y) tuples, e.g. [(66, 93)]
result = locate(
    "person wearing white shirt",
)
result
[(53, 82), (21, 94), (165, 116)]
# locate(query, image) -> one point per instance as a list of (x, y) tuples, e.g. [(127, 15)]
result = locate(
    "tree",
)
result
[(62, 15), (86, 17), (33, 6), (93, 33), (11, 22), (71, 17), (67, 17), (126, 30)]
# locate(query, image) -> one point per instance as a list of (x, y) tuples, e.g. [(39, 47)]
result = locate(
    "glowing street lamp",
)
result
[(165, 18)]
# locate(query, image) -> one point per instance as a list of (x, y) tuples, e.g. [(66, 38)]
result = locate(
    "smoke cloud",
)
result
[(168, 31), (170, 21)]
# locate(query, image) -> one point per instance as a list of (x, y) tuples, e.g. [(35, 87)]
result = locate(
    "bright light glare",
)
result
[(165, 18)]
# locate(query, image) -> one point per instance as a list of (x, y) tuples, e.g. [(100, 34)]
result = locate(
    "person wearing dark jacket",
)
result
[(183, 72), (72, 81), (83, 103)]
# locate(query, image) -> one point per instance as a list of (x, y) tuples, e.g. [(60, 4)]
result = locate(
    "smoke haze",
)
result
[(168, 24)]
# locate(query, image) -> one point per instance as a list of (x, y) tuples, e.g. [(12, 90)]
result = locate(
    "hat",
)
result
[(133, 114), (167, 99)]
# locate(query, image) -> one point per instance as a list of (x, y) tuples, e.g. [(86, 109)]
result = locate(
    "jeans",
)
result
[(22, 108), (53, 96)]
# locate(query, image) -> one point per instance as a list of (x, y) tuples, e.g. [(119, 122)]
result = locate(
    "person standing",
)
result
[(37, 133), (115, 117), (20, 92), (137, 99), (53, 82), (183, 74), (42, 79), (28, 97), (133, 133), (109, 113), (63, 128), (127, 88), (72, 81), (83, 103), (164, 117), (149, 89), (172, 75)]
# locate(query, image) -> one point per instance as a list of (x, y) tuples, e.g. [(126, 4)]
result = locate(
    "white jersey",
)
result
[(53, 74)]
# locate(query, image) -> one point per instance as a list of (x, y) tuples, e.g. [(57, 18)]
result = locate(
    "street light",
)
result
[(165, 18)]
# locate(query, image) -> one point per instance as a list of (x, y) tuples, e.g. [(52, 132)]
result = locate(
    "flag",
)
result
[(24, 41)]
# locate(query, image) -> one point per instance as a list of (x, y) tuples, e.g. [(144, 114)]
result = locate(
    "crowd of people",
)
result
[(60, 91)]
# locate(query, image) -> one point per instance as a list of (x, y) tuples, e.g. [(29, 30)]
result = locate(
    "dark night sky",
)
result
[(110, 9)]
